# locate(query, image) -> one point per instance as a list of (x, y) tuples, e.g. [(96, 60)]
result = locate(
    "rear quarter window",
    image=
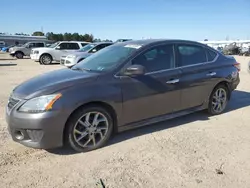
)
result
[(211, 55), (191, 54)]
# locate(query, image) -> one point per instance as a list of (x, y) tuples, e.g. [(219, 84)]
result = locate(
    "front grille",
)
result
[(68, 62), (12, 102), (35, 135), (31, 52)]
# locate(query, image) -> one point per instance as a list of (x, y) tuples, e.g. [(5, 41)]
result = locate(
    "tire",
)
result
[(76, 129), (19, 55), (213, 106), (45, 59)]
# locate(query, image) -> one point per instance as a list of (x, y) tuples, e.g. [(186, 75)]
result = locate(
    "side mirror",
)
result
[(135, 70), (58, 48)]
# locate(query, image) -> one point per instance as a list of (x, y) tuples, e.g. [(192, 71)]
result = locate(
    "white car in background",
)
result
[(54, 52), (75, 57)]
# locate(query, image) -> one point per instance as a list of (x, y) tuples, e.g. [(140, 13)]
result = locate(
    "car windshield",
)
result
[(53, 45), (25, 44), (105, 59), (87, 47)]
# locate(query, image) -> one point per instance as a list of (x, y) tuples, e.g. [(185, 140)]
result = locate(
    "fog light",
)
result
[(19, 135)]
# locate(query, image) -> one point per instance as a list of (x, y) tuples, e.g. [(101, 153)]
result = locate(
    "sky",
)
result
[(135, 19)]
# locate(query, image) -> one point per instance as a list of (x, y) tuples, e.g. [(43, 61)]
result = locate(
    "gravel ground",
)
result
[(191, 151)]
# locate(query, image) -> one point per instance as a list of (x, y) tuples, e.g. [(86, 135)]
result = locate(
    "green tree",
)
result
[(38, 33), (69, 36), (88, 37)]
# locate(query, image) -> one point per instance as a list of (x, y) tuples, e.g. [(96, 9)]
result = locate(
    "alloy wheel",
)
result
[(90, 129), (219, 100), (46, 60)]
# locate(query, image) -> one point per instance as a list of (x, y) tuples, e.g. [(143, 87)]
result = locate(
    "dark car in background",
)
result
[(244, 51), (123, 86), (231, 49)]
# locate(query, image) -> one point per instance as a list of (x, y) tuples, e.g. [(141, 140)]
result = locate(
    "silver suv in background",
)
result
[(54, 52), (25, 50), (73, 58)]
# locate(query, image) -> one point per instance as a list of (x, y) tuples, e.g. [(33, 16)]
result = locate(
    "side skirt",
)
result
[(159, 118)]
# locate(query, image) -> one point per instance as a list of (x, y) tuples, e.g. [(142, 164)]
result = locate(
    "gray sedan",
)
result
[(124, 86), (71, 59)]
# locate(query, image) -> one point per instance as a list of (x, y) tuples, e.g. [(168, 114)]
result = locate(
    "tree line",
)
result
[(69, 36)]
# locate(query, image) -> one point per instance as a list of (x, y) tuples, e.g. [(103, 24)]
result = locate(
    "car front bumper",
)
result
[(41, 130), (12, 53), (68, 62), (34, 57)]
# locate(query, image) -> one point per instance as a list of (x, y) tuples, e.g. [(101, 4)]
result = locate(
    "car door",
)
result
[(65, 48), (195, 77), (60, 50), (28, 49), (157, 92)]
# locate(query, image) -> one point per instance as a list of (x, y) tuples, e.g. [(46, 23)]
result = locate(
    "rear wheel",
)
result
[(89, 128), (45, 59), (19, 55), (218, 100)]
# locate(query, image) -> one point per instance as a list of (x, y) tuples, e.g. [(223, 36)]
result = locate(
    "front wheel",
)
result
[(89, 128), (45, 59), (218, 100)]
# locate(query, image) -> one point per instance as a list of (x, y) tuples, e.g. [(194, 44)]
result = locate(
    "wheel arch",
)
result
[(18, 51), (46, 53), (105, 105), (226, 84)]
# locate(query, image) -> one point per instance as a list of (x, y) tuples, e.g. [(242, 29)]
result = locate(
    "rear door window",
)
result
[(73, 46), (190, 54), (40, 44)]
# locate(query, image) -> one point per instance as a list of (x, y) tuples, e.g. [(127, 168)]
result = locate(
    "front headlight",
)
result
[(71, 56), (36, 52), (40, 104)]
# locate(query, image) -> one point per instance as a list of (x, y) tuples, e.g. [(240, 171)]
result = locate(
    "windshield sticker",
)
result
[(132, 46)]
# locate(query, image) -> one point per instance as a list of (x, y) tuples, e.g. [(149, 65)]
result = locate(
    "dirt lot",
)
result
[(192, 151)]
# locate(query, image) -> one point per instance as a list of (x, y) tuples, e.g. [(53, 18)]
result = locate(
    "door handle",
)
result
[(173, 81), (211, 74)]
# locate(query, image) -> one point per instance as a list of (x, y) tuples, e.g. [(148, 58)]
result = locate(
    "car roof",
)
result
[(41, 41), (102, 43), (74, 41), (145, 42)]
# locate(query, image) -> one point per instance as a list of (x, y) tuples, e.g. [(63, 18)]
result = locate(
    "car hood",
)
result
[(78, 54), (44, 48), (17, 48), (52, 82)]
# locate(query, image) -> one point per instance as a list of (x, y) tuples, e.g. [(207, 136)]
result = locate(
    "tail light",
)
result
[(237, 66)]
